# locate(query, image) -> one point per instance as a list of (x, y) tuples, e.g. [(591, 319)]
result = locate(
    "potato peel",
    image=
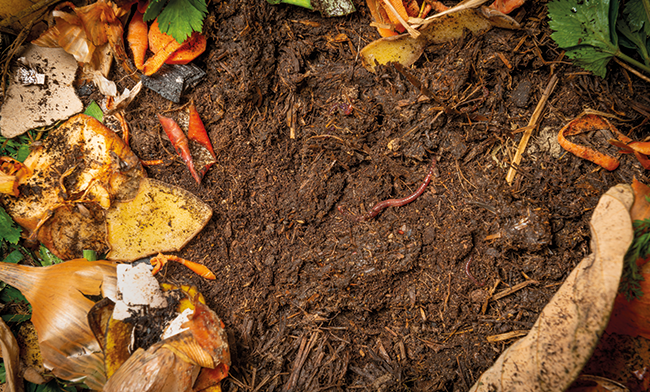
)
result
[(88, 191), (161, 218)]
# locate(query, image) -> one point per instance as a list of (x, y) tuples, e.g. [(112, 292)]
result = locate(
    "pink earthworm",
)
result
[(379, 207), (469, 274)]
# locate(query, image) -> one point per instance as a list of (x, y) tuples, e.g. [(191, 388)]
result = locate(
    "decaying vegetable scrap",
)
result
[(87, 190), (196, 357), (60, 306), (592, 122), (195, 149), (182, 344), (165, 48), (448, 25), (93, 35)]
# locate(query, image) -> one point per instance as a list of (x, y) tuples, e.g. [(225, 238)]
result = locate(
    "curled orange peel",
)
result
[(587, 123)]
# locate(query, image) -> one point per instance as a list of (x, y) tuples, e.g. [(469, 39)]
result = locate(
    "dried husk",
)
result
[(564, 336), (59, 313), (10, 358)]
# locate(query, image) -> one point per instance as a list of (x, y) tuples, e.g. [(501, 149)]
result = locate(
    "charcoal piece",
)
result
[(171, 80)]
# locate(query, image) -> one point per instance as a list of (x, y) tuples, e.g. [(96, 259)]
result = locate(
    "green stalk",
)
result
[(632, 61), (89, 255), (299, 3)]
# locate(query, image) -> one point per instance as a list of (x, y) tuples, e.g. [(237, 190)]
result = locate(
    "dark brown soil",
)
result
[(314, 301)]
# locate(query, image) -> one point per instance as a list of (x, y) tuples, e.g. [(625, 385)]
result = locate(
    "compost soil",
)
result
[(314, 300)]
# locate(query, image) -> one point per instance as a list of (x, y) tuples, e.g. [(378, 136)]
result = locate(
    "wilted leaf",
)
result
[(566, 332)]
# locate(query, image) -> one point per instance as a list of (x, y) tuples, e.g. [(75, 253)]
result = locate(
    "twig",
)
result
[(634, 71), (506, 336), (532, 124), (513, 289)]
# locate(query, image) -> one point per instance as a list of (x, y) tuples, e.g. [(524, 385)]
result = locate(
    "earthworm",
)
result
[(379, 207), (469, 274)]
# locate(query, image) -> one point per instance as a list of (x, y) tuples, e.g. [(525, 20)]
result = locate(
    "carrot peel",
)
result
[(583, 124), (203, 153), (137, 39)]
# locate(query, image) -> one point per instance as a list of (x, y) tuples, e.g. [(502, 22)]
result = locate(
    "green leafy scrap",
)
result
[(47, 258), (178, 18), (9, 231), (17, 147), (582, 28), (637, 13), (640, 249), (93, 110), (589, 31), (14, 257)]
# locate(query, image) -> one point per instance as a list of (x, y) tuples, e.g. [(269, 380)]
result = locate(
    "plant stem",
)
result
[(300, 3), (632, 61)]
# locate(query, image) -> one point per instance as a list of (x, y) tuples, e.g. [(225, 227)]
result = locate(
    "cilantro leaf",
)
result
[(583, 28), (637, 13), (178, 18), (8, 230)]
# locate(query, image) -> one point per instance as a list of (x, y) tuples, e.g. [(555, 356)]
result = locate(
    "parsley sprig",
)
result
[(593, 32)]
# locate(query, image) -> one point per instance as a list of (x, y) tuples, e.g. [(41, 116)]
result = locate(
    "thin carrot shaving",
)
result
[(587, 123)]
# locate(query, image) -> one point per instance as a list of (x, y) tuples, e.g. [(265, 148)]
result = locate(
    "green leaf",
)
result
[(637, 14), (52, 386), (180, 18), (14, 257), (3, 373), (9, 231), (153, 10), (10, 294), (637, 38), (582, 27), (89, 255), (47, 258), (93, 110)]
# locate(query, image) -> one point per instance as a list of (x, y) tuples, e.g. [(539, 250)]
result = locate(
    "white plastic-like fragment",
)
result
[(176, 326), (136, 287)]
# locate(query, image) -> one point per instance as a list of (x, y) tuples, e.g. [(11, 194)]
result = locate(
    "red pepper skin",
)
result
[(180, 143), (197, 131)]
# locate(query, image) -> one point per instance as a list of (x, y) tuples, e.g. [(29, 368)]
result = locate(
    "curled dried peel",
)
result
[(564, 336), (67, 344)]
